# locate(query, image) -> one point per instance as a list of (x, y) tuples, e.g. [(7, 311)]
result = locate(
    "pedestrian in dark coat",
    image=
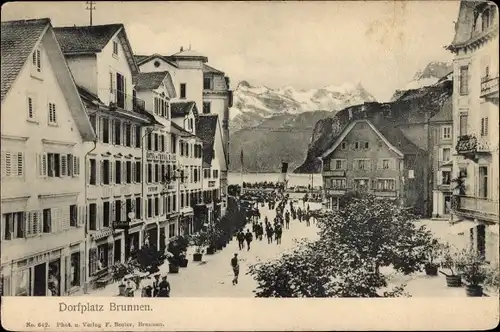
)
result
[(269, 233), (248, 238), (164, 290), (241, 240), (278, 232), (287, 220)]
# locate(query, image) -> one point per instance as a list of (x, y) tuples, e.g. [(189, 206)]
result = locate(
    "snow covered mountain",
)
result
[(428, 76), (254, 104)]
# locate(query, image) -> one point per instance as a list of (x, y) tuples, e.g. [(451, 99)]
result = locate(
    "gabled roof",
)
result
[(189, 54), (206, 129), (176, 129), (32, 33), (92, 39), (19, 38), (211, 70), (392, 136), (153, 80), (140, 59), (181, 109)]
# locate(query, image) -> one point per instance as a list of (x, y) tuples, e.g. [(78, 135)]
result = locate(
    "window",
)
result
[(338, 184), (12, 164), (115, 48), (31, 109), (127, 128), (216, 173), (129, 171), (191, 124), (338, 164), (118, 172), (52, 113), (93, 172), (47, 221), (445, 177), (150, 173), (157, 173), (356, 145), (206, 107), (14, 227), (150, 141), (118, 132), (464, 80), (173, 144), (37, 60), (54, 165), (183, 91), (157, 206), (171, 230), (483, 182), (360, 183), (343, 146), (118, 211), (366, 145), (138, 171), (362, 164), (138, 206), (137, 136), (106, 172), (74, 273), (174, 202), (105, 129), (106, 213), (155, 141), (446, 132), (463, 123), (73, 215), (93, 217), (446, 154), (150, 207), (484, 127), (207, 83), (387, 164), (386, 184)]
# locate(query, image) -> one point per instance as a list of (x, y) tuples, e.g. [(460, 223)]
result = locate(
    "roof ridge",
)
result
[(90, 26), (27, 21)]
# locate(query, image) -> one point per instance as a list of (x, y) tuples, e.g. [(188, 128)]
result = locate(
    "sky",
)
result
[(380, 44)]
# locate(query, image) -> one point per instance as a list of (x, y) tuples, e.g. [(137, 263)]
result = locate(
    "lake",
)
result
[(293, 179)]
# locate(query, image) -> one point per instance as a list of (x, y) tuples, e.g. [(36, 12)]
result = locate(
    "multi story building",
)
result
[(475, 125), (192, 212), (154, 90), (206, 86), (44, 126), (208, 129), (100, 59), (440, 160), (217, 99), (375, 157)]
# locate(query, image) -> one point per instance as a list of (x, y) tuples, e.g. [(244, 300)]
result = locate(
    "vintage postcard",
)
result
[(223, 165)]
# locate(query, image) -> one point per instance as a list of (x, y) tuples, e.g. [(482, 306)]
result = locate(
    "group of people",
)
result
[(158, 288), (264, 185)]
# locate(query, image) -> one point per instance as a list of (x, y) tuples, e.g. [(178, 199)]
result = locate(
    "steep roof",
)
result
[(153, 80), (211, 70), (445, 114), (206, 128), (181, 109), (19, 38), (179, 130), (92, 39), (396, 137)]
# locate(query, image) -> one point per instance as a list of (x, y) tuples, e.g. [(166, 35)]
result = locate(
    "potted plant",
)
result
[(199, 240), (450, 262), (473, 271), (177, 249), (122, 288), (433, 252), (183, 261)]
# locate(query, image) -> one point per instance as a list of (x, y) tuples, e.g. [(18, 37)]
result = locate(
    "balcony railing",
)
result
[(469, 146), (340, 173), (489, 85), (125, 101), (476, 207)]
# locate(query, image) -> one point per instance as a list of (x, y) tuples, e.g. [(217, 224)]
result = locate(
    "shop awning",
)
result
[(494, 229), (462, 227)]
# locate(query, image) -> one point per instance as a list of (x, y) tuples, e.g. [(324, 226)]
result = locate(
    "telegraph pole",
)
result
[(90, 8)]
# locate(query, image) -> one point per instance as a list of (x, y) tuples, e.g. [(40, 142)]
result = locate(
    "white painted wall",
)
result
[(24, 192), (84, 70)]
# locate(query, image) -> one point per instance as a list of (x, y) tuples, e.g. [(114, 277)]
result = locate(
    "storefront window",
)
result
[(102, 252), (75, 269), (22, 283), (54, 277)]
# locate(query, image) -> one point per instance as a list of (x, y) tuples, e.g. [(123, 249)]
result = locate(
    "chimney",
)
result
[(182, 48)]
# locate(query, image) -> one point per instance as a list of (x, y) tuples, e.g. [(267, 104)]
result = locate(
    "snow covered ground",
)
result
[(212, 277)]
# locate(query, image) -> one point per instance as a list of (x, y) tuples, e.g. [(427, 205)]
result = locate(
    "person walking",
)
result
[(236, 268), (269, 233), (241, 240), (278, 232), (156, 285), (248, 238), (164, 288), (287, 220), (308, 219)]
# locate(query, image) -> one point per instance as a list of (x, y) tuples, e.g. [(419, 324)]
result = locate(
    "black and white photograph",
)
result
[(219, 149)]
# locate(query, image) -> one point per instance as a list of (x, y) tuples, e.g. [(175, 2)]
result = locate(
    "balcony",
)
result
[(339, 173), (477, 208), (470, 146), (211, 184), (121, 100)]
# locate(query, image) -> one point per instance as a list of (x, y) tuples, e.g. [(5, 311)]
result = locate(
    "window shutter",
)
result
[(20, 163), (124, 171), (99, 219), (132, 171), (92, 260), (67, 283), (38, 60), (76, 166), (111, 171), (123, 212), (112, 132), (29, 224), (8, 163), (101, 173), (101, 128), (354, 166), (113, 213), (63, 165), (24, 228), (13, 164)]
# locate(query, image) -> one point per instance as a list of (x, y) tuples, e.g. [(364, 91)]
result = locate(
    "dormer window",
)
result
[(183, 91), (37, 60), (207, 83), (115, 48)]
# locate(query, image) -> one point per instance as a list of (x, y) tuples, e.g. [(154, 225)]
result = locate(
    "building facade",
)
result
[(440, 160), (370, 156), (115, 164), (475, 125), (44, 129)]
